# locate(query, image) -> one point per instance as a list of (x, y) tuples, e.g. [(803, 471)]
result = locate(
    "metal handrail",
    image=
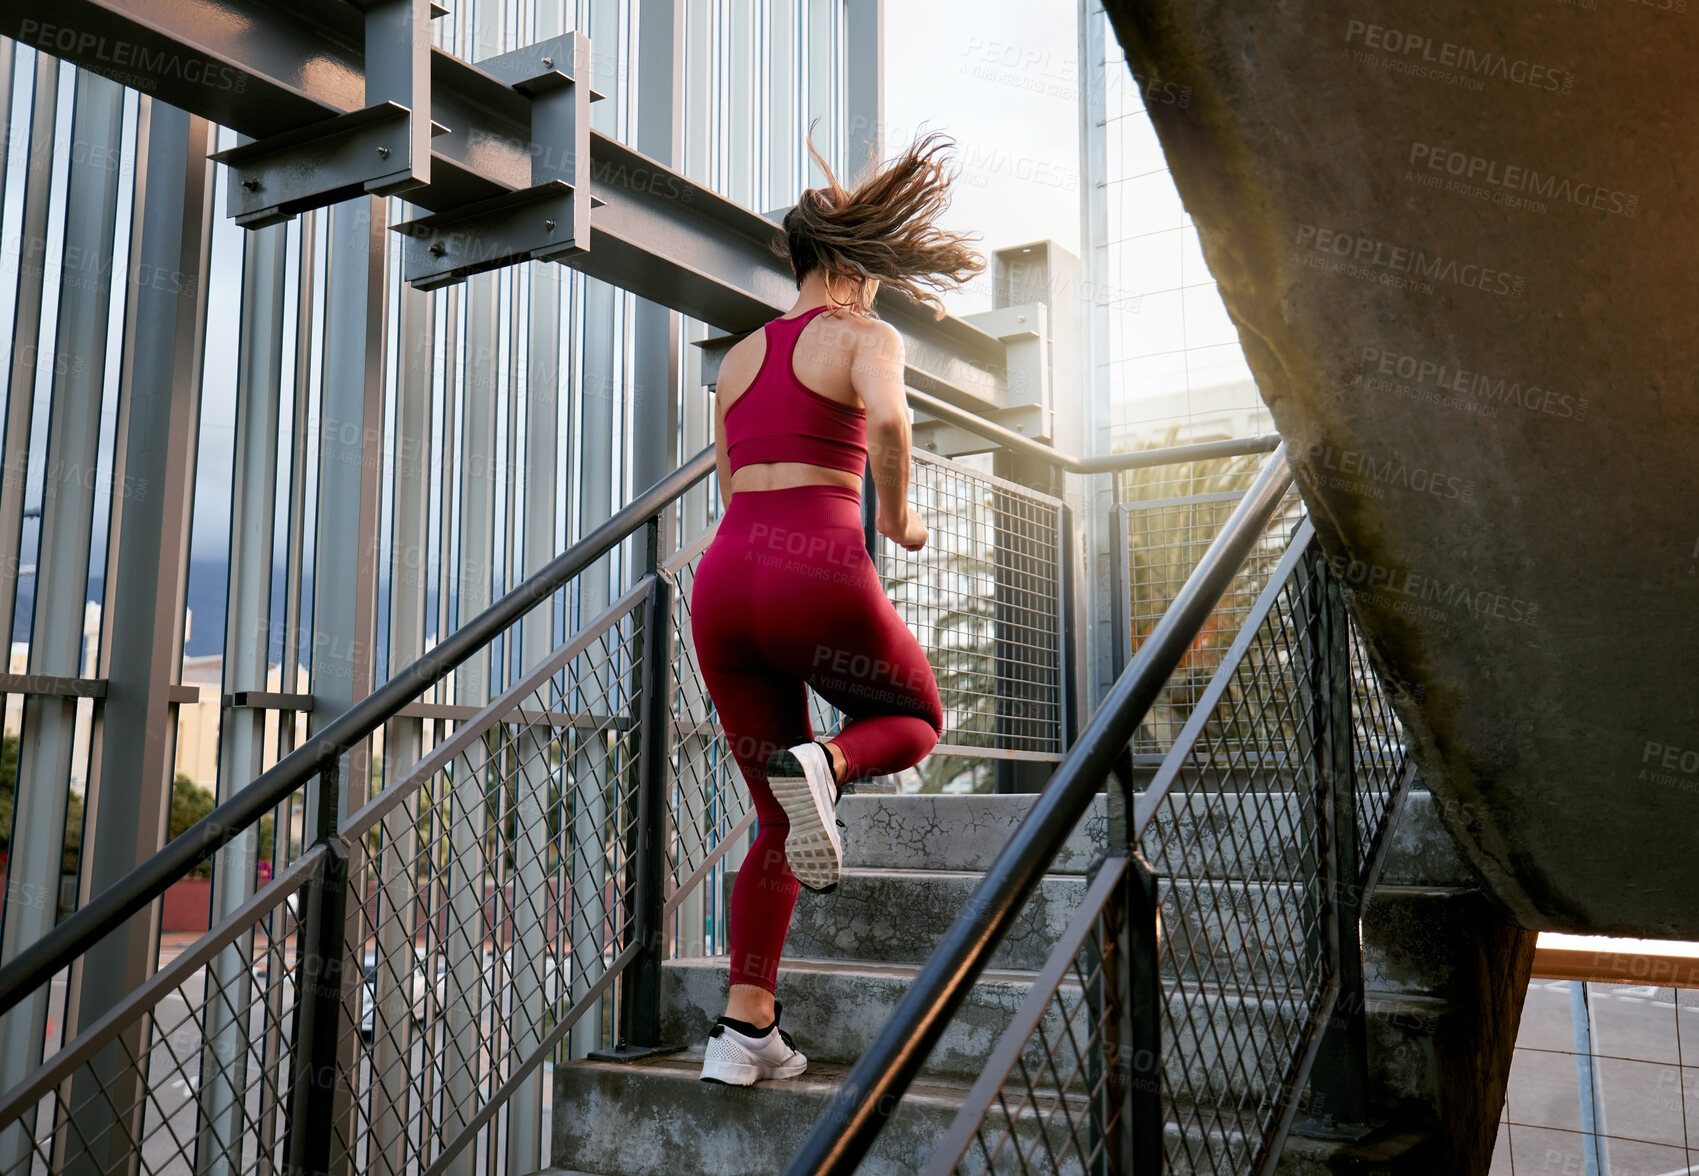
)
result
[(873, 1087), (1105, 463)]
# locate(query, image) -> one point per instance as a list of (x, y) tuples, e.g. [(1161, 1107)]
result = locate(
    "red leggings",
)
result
[(786, 594)]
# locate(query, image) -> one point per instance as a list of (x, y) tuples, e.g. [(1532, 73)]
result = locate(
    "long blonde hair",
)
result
[(883, 229)]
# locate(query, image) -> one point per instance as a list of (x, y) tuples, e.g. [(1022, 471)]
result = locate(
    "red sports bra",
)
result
[(792, 422)]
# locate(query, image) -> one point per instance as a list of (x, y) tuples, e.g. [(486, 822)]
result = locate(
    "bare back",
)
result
[(823, 360)]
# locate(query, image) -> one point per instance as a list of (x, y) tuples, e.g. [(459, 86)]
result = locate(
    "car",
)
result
[(547, 974), (369, 988)]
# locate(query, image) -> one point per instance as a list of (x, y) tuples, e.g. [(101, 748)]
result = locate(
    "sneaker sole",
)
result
[(811, 847), (748, 1073)]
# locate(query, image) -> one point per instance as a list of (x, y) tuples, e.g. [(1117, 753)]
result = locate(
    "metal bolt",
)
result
[(383, 152), (548, 63), (437, 249), (251, 185), (549, 225)]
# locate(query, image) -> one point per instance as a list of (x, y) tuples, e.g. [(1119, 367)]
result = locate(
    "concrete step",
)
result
[(1422, 852), (1228, 1048), (1206, 1139), (1395, 1149), (836, 1010), (850, 956), (955, 832), (656, 1116), (1233, 835), (1420, 940), (1217, 929), (898, 916)]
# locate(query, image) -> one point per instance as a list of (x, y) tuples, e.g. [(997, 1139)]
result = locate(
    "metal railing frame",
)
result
[(322, 869)]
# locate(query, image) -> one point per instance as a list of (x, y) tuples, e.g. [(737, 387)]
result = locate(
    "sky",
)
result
[(1001, 77)]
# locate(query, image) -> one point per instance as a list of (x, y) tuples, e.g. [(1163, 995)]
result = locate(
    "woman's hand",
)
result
[(908, 532)]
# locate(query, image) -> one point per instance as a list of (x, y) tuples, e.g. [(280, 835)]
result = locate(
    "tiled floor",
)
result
[(1645, 1050)]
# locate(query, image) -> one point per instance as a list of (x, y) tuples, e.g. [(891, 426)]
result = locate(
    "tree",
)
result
[(189, 803), (8, 779)]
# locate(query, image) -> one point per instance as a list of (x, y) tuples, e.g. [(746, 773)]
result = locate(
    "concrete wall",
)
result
[(1459, 244)]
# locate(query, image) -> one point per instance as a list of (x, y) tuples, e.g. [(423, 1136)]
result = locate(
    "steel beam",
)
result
[(265, 69)]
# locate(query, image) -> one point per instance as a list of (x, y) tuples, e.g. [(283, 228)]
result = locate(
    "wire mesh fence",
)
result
[(1157, 541), (190, 1072), (1051, 1096), (489, 892), (1238, 859), (1377, 746), (484, 911), (985, 597)]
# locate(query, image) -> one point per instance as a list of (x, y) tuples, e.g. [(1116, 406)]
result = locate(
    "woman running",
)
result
[(786, 594)]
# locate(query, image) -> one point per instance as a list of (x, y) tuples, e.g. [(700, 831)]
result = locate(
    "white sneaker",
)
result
[(734, 1058), (801, 780)]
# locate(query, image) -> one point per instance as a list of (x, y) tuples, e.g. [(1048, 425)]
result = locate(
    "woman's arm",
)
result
[(876, 373), (721, 462)]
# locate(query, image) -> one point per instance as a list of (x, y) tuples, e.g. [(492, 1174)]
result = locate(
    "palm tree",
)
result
[(1163, 544)]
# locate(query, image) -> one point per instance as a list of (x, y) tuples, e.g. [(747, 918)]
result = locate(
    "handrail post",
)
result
[(1143, 985), (1131, 997), (1339, 1077), (1067, 625), (320, 987), (640, 985), (1112, 1126)]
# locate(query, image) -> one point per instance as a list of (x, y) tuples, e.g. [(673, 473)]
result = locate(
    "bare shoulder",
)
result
[(876, 341), (741, 361), (747, 349), (880, 334)]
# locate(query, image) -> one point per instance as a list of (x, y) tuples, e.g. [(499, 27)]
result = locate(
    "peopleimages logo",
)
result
[(1391, 471), (143, 66), (1395, 587), (1415, 47), (1372, 253), (1448, 377), (1476, 169)]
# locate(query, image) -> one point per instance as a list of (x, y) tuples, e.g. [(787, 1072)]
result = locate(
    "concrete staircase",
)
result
[(911, 863)]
